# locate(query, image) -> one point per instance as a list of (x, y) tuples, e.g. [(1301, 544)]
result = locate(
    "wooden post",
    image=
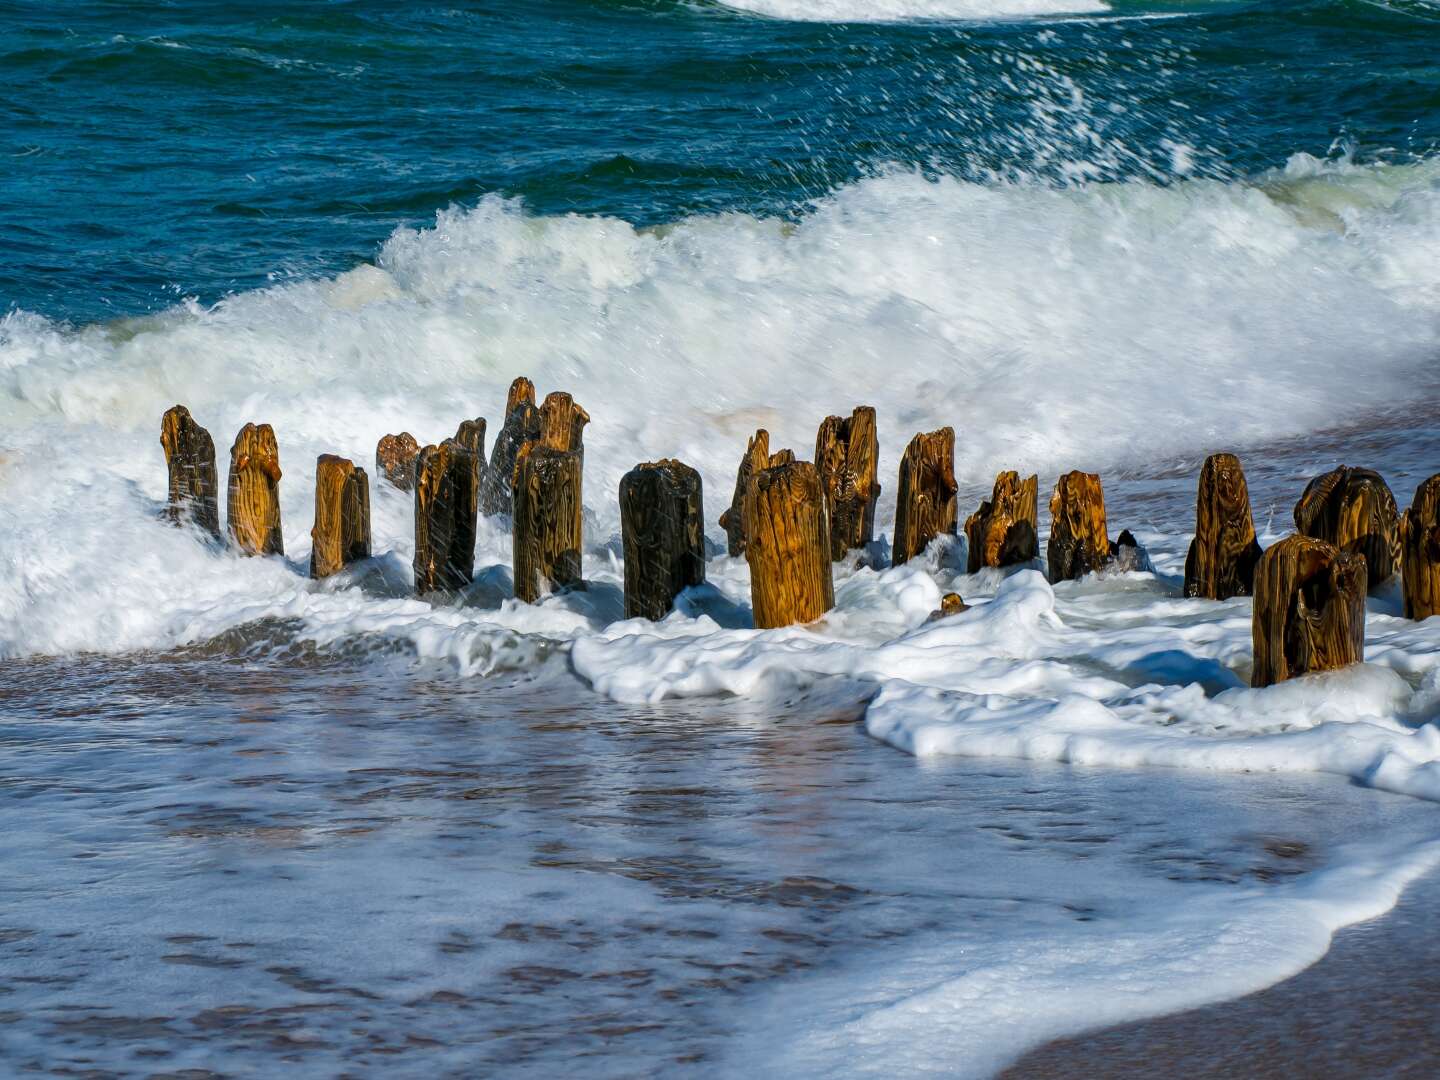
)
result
[(562, 422), (1079, 541), (1353, 509), (847, 453), (787, 544), (190, 460), (1420, 552), (925, 498), (342, 516), (445, 508), (662, 529), (395, 459), (252, 498), (757, 457), (1222, 557), (950, 604), (471, 435), (1004, 530), (521, 428), (545, 529), (1309, 612)]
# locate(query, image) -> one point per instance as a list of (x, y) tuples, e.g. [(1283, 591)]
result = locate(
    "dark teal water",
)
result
[(165, 150)]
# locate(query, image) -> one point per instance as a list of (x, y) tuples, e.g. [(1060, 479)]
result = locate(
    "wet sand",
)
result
[(1364, 1011)]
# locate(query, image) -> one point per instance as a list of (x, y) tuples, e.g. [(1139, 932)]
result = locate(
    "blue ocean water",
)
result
[(196, 148)]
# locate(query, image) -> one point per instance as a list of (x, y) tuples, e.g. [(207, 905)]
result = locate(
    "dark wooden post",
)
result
[(1079, 540), (342, 516), (662, 528), (395, 459), (190, 460), (925, 503), (787, 544), (445, 509), (1353, 509), (545, 529), (1004, 530), (471, 435), (562, 422), (1222, 557), (252, 497), (757, 457), (847, 453), (1309, 612), (1420, 552), (521, 428)]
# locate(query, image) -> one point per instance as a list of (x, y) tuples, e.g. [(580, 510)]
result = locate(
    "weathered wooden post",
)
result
[(925, 503), (1079, 540), (190, 461), (471, 435), (1222, 557), (757, 457), (252, 497), (521, 428), (847, 453), (1309, 612), (1353, 509), (342, 516), (1004, 531), (1420, 552), (662, 528), (395, 459), (950, 604), (545, 526), (562, 422), (445, 509), (787, 544)]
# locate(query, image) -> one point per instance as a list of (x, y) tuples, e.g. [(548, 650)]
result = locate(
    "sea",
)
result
[(257, 825)]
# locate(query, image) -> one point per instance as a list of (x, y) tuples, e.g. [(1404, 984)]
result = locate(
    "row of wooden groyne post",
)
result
[(793, 519)]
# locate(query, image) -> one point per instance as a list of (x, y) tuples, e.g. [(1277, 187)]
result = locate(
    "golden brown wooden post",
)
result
[(445, 508), (757, 457), (787, 544), (950, 604), (1420, 552), (395, 459), (1079, 541), (471, 435), (342, 516), (1222, 557), (1309, 612), (662, 528), (190, 460), (1353, 509), (925, 503), (252, 498), (521, 428), (545, 527), (562, 422), (1004, 530), (847, 453)]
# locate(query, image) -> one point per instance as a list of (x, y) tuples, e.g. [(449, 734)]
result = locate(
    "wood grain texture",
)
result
[(521, 429), (787, 544), (847, 453), (471, 435), (1420, 552), (445, 513), (1004, 531), (546, 522), (341, 534), (1309, 610), (562, 422), (663, 532), (1222, 557), (395, 459), (194, 496), (1079, 540), (252, 497), (1355, 510), (757, 457), (925, 504)]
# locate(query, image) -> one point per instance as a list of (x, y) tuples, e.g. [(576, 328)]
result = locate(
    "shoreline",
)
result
[(1361, 1011)]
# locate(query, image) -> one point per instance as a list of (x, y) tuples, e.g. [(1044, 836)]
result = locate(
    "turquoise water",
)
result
[(194, 149)]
